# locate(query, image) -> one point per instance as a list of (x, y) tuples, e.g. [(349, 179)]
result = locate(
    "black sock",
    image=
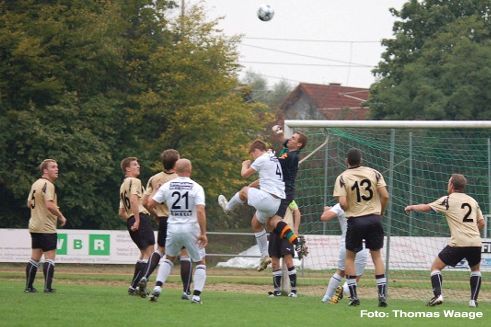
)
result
[(277, 275), (152, 263), (475, 281), (49, 272), (138, 274), (186, 274), (351, 280), (292, 274), (436, 282), (381, 285), (31, 270)]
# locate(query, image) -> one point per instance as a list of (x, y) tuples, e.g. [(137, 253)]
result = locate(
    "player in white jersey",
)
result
[(334, 292), (265, 194), (186, 226)]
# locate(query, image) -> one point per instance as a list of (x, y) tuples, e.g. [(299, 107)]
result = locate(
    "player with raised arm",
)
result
[(289, 161), (362, 193), (334, 291), (169, 158), (266, 199), (137, 219), (186, 226), (43, 204), (465, 219)]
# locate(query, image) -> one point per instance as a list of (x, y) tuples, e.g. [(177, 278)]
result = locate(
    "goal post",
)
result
[(416, 159)]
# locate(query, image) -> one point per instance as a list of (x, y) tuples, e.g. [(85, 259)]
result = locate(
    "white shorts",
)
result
[(265, 204), (360, 259), (179, 235)]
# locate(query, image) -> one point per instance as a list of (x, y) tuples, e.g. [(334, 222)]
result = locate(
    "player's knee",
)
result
[(243, 193)]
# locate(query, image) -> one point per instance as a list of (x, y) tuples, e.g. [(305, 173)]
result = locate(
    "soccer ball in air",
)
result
[(265, 13)]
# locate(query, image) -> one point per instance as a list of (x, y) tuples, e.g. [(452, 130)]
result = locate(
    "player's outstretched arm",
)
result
[(417, 208), (328, 214)]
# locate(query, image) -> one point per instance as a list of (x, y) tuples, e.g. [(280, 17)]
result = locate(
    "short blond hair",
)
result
[(44, 165)]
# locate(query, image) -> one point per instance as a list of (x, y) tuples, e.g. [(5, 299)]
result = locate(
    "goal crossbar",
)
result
[(290, 125)]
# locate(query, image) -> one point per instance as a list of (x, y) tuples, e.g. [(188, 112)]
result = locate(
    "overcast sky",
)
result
[(316, 41)]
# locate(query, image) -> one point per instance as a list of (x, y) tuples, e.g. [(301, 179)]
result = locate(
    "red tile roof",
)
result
[(332, 100)]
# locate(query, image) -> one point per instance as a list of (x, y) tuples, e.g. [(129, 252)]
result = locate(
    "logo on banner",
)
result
[(94, 244)]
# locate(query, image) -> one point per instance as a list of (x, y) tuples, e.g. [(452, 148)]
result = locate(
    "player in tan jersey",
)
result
[(361, 192), (465, 219), (137, 219), (169, 158), (42, 202)]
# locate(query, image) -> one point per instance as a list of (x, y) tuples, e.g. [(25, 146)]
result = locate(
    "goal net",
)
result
[(416, 160)]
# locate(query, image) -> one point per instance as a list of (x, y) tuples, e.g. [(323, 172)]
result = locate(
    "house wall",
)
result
[(302, 109)]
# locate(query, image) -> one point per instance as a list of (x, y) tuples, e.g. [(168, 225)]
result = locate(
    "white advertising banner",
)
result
[(116, 247), (74, 246)]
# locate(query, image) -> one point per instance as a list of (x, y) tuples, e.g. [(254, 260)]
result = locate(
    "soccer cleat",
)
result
[(382, 302), (354, 302), (324, 299), (264, 263), (196, 299), (142, 287), (274, 293), (185, 296), (131, 291), (436, 300), (222, 202), (49, 290), (338, 295), (293, 294), (30, 290), (301, 248), (473, 304), (155, 294)]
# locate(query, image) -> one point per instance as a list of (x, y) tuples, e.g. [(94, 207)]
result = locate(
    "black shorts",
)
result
[(368, 228), (144, 236), (279, 247), (284, 205), (44, 241), (162, 232), (452, 255)]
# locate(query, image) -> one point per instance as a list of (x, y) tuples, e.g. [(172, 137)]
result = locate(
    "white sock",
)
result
[(262, 242), (234, 202), (333, 283), (164, 271), (199, 277)]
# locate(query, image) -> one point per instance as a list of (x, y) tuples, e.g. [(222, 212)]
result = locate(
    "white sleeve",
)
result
[(337, 209), (200, 195), (159, 196), (257, 164)]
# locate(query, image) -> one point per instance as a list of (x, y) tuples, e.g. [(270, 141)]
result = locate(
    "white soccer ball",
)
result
[(265, 13)]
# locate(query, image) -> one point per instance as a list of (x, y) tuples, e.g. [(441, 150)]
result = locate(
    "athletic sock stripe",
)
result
[(284, 231)]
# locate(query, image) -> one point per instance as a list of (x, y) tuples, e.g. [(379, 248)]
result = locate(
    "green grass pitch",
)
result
[(101, 300)]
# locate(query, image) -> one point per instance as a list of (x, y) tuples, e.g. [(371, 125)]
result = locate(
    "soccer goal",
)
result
[(416, 159)]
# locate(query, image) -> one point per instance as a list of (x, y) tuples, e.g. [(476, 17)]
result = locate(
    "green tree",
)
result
[(437, 66), (88, 83)]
